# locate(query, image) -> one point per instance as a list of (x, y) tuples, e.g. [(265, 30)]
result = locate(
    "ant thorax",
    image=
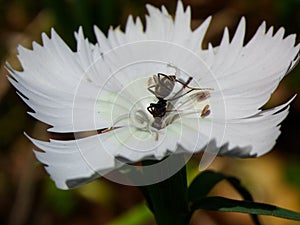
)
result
[(173, 96)]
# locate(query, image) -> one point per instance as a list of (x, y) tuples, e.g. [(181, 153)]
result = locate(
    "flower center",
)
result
[(171, 103), (166, 100)]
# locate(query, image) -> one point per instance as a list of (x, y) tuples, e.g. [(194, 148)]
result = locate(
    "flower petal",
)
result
[(257, 133), (247, 75), (69, 160)]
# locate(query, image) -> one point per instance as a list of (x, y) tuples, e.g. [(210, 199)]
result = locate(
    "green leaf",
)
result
[(205, 181), (243, 206), (202, 184)]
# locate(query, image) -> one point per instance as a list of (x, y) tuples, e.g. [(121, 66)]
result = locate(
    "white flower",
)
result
[(202, 98)]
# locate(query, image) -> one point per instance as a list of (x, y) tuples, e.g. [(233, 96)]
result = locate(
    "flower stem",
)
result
[(168, 199)]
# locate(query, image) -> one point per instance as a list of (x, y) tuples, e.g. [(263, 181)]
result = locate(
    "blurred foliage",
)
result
[(102, 202), (138, 215), (98, 192), (292, 174), (63, 203), (9, 111), (287, 14), (69, 15)]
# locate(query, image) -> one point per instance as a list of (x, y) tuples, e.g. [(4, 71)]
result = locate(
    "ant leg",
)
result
[(184, 85), (198, 89), (150, 109), (149, 89), (177, 70), (169, 77), (151, 85)]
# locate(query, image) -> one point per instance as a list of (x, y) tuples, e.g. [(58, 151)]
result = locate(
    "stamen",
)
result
[(139, 119), (158, 123), (199, 97), (156, 136), (105, 130), (202, 95)]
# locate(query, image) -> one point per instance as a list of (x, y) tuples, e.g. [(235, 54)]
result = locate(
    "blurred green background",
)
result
[(29, 197)]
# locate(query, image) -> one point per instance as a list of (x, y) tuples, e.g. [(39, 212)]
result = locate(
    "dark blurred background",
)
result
[(29, 197)]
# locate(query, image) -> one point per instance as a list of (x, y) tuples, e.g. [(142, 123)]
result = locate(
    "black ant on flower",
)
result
[(163, 87)]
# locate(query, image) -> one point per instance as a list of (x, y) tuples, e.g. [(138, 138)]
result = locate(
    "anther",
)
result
[(205, 111)]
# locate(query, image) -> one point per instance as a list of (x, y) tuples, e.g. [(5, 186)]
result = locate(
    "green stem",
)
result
[(168, 199)]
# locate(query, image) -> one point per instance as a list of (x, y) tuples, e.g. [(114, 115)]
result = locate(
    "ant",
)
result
[(164, 85)]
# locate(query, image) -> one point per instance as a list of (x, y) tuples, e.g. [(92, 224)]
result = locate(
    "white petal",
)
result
[(194, 135), (68, 160), (134, 31), (84, 51), (102, 40), (253, 136), (248, 75), (199, 32), (158, 25), (182, 21)]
